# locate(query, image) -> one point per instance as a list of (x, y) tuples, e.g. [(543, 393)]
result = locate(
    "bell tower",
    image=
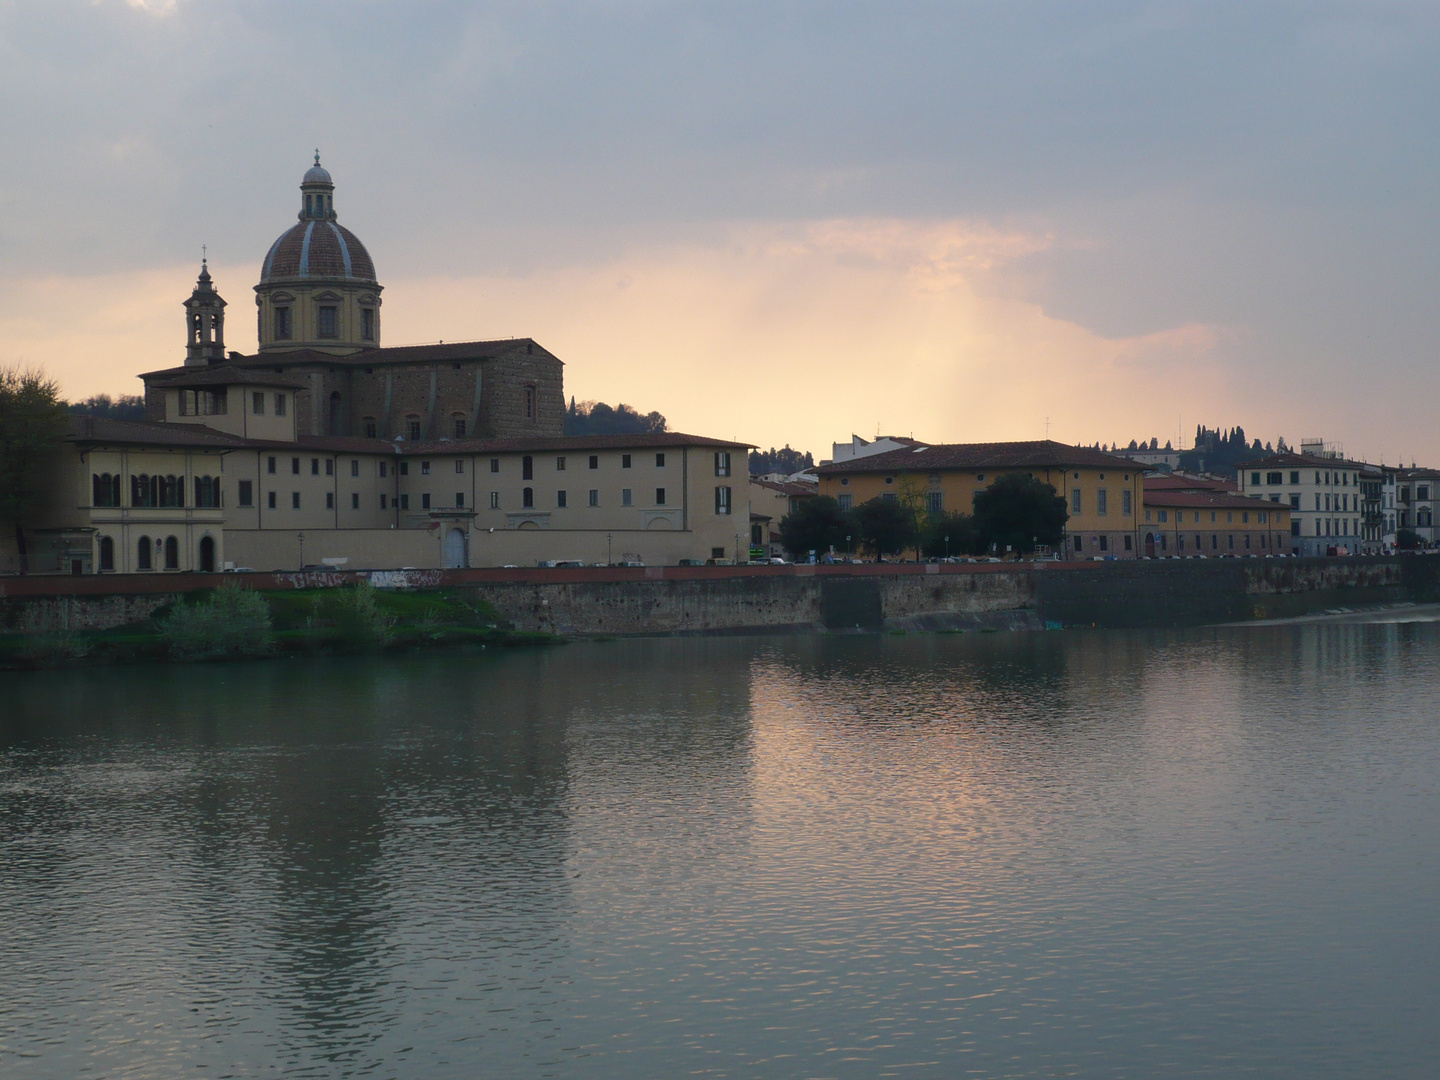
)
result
[(204, 322)]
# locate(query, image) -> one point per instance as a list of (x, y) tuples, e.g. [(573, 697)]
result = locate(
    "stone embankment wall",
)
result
[(681, 600)]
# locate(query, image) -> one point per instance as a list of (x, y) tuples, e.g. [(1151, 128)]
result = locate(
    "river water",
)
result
[(1203, 853)]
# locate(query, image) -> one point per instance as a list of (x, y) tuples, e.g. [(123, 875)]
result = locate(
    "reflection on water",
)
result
[(1201, 853)]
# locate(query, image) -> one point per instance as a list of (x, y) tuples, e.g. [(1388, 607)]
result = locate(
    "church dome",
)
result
[(317, 247), (312, 250)]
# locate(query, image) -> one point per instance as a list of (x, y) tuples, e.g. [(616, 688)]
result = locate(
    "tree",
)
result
[(816, 524), (779, 461), (1018, 511), (1407, 539), (950, 534), (125, 407), (886, 527), (32, 419), (597, 418)]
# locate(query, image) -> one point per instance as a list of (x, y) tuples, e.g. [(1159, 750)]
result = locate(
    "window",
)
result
[(1295, 528), (1105, 543), (404, 468), (325, 321), (314, 466), (1254, 479), (382, 502), (890, 496), (354, 500), (459, 500), (722, 494), (107, 489), (1125, 503), (207, 492), (1245, 517), (294, 466), (282, 324), (246, 493), (717, 553), (270, 466), (367, 324), (659, 461), (425, 501), (527, 468), (1164, 515), (1247, 540), (412, 427), (384, 470), (934, 502), (459, 466), (172, 553), (1076, 504), (1102, 505), (560, 499), (529, 403), (594, 461), (846, 503), (625, 461), (171, 491), (107, 554), (527, 498), (1127, 544), (659, 496), (457, 426), (1274, 479), (279, 404), (494, 500), (722, 465), (1423, 492), (1295, 502), (142, 553), (1079, 543), (424, 468), (494, 464), (295, 500), (626, 497), (889, 479), (329, 500), (404, 502), (1295, 476), (1262, 517), (329, 466), (270, 502), (368, 423), (257, 402), (594, 496), (559, 464)]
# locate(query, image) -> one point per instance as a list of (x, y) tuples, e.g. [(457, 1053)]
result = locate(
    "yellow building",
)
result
[(1214, 524), (1102, 492)]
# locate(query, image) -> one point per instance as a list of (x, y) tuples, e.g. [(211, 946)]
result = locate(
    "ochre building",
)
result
[(1102, 492)]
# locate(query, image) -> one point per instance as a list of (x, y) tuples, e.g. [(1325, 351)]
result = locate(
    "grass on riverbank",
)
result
[(354, 619)]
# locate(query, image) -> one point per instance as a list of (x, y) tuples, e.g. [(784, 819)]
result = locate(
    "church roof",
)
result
[(317, 249)]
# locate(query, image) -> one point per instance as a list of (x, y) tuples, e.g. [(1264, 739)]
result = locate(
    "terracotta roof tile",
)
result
[(1042, 453)]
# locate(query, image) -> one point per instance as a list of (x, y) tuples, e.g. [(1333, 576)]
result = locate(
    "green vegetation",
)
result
[(32, 419), (597, 418), (1017, 512), (815, 525), (235, 622), (125, 407), (231, 622), (887, 526)]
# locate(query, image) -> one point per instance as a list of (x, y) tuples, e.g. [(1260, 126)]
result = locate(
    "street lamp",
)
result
[(947, 547)]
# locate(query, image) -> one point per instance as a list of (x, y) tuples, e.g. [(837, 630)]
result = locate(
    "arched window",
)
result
[(172, 553), (527, 468), (527, 498), (142, 553), (105, 489), (107, 554), (207, 555)]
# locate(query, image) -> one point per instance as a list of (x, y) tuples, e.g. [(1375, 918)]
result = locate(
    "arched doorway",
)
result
[(455, 549), (172, 553), (1149, 545), (142, 554), (107, 554), (207, 554)]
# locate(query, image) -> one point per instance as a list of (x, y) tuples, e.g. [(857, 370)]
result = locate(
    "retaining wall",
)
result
[(665, 600)]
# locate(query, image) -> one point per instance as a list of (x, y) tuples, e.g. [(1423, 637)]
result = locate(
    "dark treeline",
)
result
[(779, 461), (125, 407), (597, 418)]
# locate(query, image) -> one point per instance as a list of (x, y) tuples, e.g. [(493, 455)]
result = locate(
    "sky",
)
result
[(778, 222)]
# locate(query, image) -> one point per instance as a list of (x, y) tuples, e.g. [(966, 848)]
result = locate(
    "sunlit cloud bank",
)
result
[(799, 333)]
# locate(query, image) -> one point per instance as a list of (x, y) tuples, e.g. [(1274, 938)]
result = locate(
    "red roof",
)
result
[(1210, 500), (1172, 482), (1040, 454)]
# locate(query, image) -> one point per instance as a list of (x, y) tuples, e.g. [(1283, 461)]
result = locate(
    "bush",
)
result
[(816, 524), (886, 527), (359, 617), (231, 621), (53, 648), (950, 534)]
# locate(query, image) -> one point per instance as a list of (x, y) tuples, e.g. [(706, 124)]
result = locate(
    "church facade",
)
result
[(323, 447)]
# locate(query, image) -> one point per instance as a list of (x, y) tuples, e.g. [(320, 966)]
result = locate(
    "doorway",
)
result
[(455, 549)]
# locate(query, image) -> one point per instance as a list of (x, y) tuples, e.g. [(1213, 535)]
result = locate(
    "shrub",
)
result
[(360, 618), (52, 648), (231, 621)]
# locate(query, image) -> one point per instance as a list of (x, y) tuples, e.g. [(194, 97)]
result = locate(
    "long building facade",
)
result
[(325, 448)]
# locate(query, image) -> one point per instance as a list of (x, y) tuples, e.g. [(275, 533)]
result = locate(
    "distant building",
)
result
[(1101, 491), (1417, 492), (1204, 518), (1164, 458), (1335, 503), (858, 447), (770, 501)]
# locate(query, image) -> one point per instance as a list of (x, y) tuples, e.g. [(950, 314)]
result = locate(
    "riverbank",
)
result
[(122, 618)]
